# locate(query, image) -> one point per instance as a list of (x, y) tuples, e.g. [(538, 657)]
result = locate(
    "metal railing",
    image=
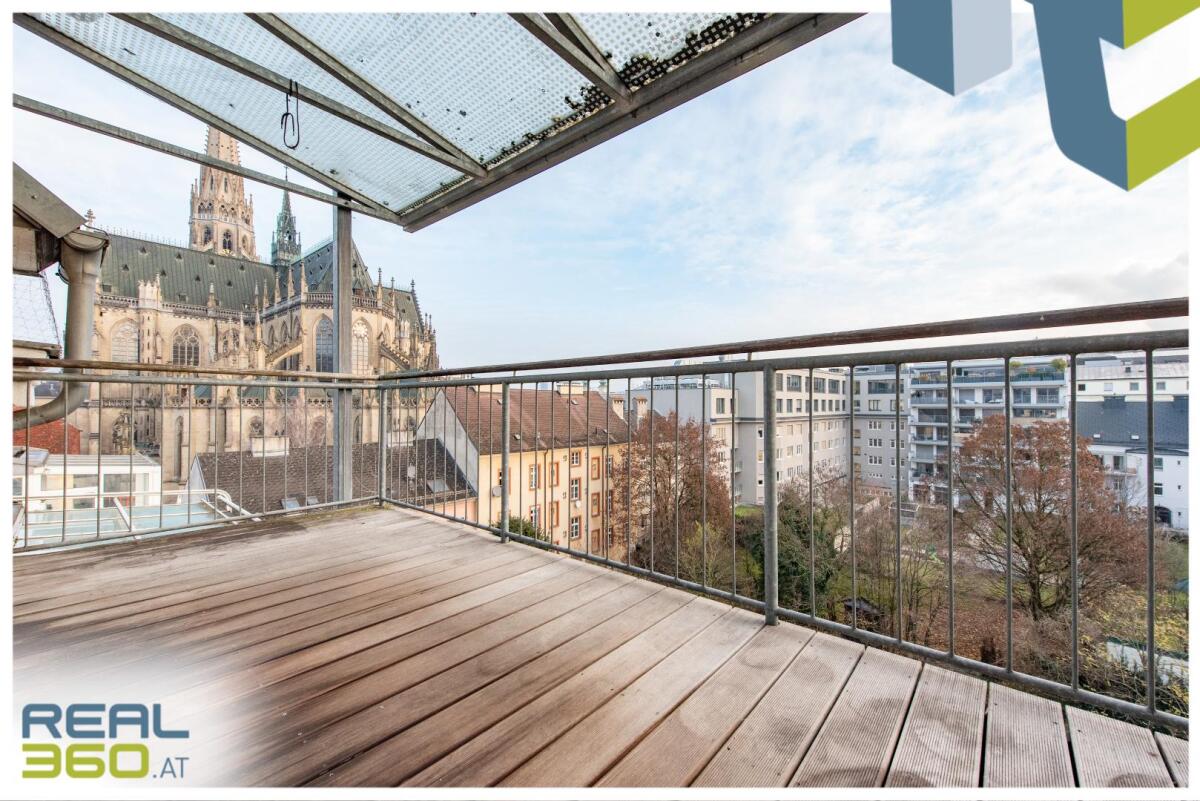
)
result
[(571, 461)]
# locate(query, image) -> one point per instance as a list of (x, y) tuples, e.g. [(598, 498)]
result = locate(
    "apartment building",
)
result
[(563, 444), (942, 414), (876, 429), (710, 399), (830, 434), (1115, 430), (1124, 376)]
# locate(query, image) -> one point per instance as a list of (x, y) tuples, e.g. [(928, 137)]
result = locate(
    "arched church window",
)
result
[(324, 346), (227, 241), (245, 244), (207, 234), (226, 183), (185, 347), (124, 346), (360, 348)]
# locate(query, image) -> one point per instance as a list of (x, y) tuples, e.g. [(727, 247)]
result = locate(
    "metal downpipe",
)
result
[(81, 253)]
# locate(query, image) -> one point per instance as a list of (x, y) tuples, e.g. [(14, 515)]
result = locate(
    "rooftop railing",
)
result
[(560, 456)]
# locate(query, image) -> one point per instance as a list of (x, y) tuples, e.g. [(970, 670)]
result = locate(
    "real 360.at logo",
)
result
[(91, 741)]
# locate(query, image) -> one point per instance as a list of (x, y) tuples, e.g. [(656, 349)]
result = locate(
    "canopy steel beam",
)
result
[(56, 37), (230, 60), (570, 26), (166, 148), (361, 86), (599, 73), (773, 37)]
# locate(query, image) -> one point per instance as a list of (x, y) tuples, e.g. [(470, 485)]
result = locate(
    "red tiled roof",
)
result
[(585, 417)]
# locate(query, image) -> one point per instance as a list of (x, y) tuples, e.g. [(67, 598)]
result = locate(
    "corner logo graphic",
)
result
[(125, 732), (958, 44)]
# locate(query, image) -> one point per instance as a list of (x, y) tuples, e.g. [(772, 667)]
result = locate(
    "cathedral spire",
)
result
[(221, 217), (285, 240)]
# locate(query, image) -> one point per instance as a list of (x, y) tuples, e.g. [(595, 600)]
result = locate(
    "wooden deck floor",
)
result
[(380, 647)]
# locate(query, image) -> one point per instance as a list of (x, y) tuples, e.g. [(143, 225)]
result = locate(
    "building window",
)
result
[(720, 406), (1082, 388), (535, 516), (574, 489), (360, 348), (124, 347), (207, 235), (554, 474), (554, 515), (534, 476), (595, 504), (324, 345), (575, 527), (1108, 387), (575, 458), (227, 242), (1158, 488), (1134, 386), (595, 468), (185, 347), (1158, 463), (1160, 386)]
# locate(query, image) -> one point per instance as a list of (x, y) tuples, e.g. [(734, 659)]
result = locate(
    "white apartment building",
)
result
[(1039, 392), (1115, 430), (876, 429), (740, 408), (1124, 376)]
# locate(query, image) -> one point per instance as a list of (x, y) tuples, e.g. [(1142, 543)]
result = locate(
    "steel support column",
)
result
[(343, 307)]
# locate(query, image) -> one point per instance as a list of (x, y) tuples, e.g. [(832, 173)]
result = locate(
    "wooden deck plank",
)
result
[(218, 574), (491, 756), (313, 699), (766, 748), (581, 755), (187, 550), (210, 603), (1112, 753), (941, 744), (1026, 741), (854, 747), (282, 683), (1175, 755), (429, 726), (460, 588), (354, 717), (496, 751), (191, 644), (678, 749)]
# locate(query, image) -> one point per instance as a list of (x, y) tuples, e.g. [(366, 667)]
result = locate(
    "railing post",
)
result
[(505, 436), (770, 503), (381, 433)]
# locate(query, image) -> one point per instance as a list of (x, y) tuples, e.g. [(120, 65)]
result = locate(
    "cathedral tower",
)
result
[(285, 241), (221, 218)]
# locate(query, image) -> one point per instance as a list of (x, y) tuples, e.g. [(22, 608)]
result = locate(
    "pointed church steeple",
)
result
[(285, 240)]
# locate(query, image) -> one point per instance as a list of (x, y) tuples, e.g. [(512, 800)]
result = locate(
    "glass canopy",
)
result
[(415, 116)]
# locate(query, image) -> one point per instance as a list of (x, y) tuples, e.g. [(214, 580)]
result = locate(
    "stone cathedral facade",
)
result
[(215, 304)]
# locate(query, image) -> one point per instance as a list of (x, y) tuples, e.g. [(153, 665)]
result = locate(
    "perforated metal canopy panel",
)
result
[(415, 116)]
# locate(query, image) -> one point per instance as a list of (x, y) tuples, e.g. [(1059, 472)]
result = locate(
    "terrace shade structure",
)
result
[(411, 117)]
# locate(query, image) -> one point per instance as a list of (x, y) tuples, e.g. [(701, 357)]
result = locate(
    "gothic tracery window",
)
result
[(227, 241), (207, 234), (124, 346), (324, 343), (360, 348), (185, 347)]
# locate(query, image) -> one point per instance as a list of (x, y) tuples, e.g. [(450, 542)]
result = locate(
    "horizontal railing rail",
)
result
[(1059, 318)]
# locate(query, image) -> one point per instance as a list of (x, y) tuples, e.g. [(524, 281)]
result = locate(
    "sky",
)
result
[(826, 190)]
